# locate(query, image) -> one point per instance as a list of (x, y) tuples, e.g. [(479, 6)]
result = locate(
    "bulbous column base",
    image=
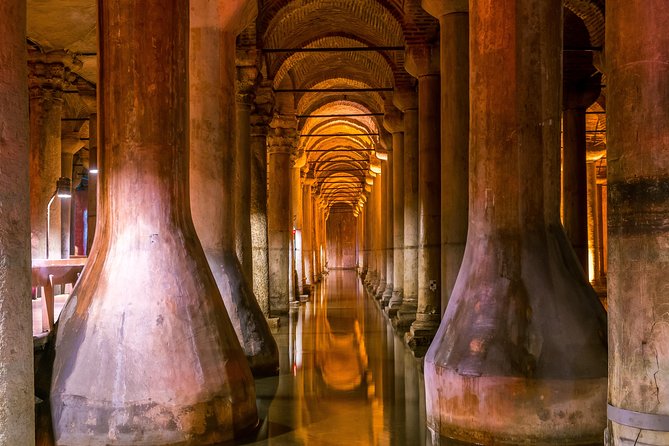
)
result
[(146, 353), (503, 410), (387, 295), (394, 304), (250, 324)]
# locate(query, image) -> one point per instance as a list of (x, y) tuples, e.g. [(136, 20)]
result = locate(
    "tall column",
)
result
[(307, 233), (16, 348), (637, 59), (407, 102), (379, 233), (246, 81), (388, 218), (520, 355), (594, 218), (93, 175), (264, 102), (280, 145), (453, 18), (156, 389), (212, 183), (48, 72), (574, 171), (393, 121), (296, 211), (70, 145), (423, 63)]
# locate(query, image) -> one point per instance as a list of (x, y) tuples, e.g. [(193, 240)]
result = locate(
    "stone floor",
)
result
[(345, 378)]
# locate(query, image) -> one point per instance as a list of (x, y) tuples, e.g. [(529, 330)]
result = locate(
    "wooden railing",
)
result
[(49, 273)]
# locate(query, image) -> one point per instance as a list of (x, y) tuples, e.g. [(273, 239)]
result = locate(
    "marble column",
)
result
[(280, 144), (246, 82), (297, 223), (388, 218), (423, 62), (48, 72), (70, 145), (594, 229), (307, 233), (147, 285), (637, 66), (453, 18), (393, 121), (520, 355), (407, 102), (264, 102), (574, 170), (93, 175), (212, 184), (379, 233), (17, 405)]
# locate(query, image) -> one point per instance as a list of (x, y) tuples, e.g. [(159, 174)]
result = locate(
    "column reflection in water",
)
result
[(342, 375)]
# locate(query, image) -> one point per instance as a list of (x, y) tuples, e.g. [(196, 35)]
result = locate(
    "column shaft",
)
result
[(398, 223), (46, 105), (214, 192), (574, 184), (93, 165), (454, 62), (279, 220), (637, 59), (388, 218), (407, 311), (520, 355), (148, 246), (259, 211), (429, 215), (17, 408)]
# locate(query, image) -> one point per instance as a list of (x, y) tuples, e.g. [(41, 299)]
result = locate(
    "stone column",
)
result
[(453, 18), (264, 102), (520, 355), (407, 102), (17, 405), (388, 218), (574, 182), (47, 75), (637, 62), (307, 233), (93, 175), (594, 217), (147, 305), (212, 183), (296, 210), (378, 232), (393, 121), (246, 82), (423, 62), (70, 145), (280, 145)]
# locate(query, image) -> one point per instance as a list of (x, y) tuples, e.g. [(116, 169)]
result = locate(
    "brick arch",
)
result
[(592, 14), (376, 65)]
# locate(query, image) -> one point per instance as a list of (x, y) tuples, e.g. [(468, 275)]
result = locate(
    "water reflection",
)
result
[(345, 378)]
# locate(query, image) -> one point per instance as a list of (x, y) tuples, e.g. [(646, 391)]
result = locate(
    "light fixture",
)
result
[(63, 190), (93, 170)]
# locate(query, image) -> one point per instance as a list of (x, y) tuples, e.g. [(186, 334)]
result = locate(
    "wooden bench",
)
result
[(49, 273)]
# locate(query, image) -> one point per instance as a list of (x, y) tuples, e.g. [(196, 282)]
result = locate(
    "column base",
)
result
[(405, 316), (509, 410), (394, 304), (387, 295), (420, 336), (378, 291)]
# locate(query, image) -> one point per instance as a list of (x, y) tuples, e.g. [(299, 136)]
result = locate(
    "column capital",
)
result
[(247, 79), (393, 120), (422, 60), (282, 137), (49, 73), (440, 8), (405, 99), (263, 107)]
